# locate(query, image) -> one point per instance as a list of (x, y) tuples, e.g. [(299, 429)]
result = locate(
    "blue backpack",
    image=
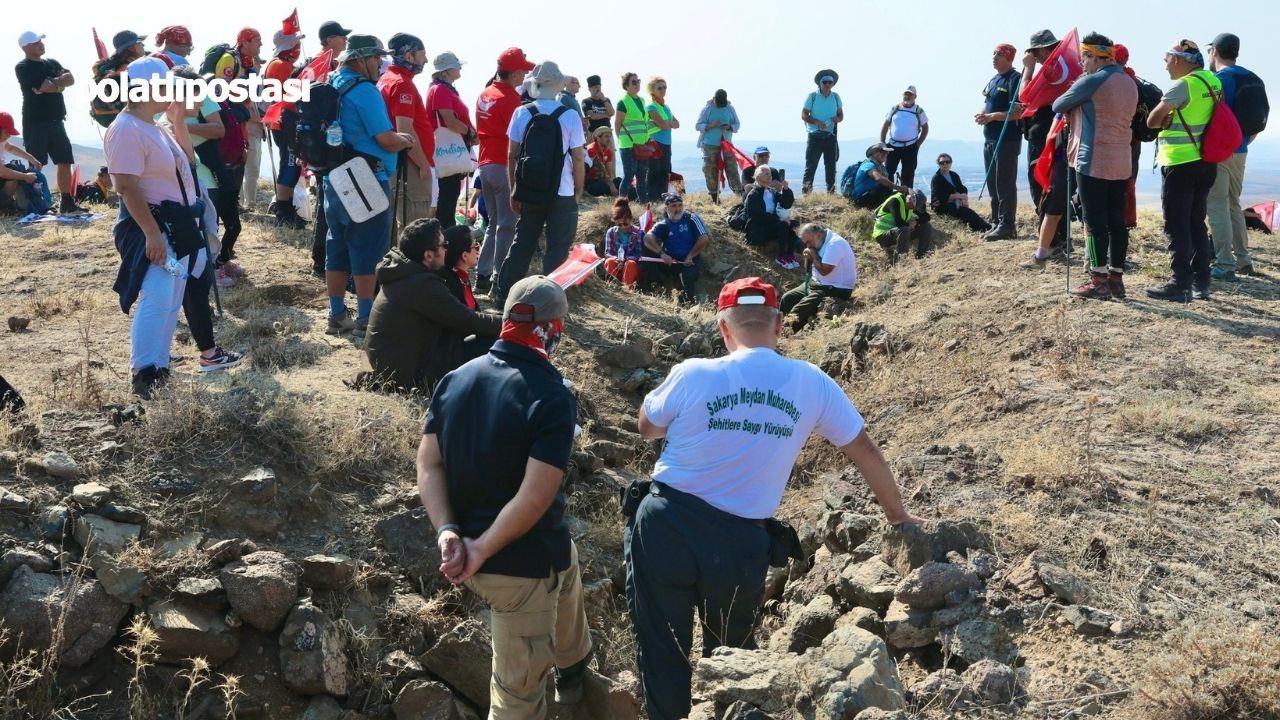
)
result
[(39, 200)]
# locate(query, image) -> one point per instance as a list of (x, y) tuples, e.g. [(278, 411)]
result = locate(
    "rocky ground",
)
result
[(1101, 478)]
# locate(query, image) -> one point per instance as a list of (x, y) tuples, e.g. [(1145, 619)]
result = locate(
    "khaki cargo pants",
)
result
[(537, 625)]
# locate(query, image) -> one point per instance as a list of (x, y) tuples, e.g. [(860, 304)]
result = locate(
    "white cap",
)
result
[(147, 68), (29, 38)]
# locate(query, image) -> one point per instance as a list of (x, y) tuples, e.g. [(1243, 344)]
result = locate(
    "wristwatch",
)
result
[(448, 526)]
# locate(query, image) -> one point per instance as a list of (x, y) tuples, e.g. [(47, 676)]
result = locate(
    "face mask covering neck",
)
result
[(543, 338)]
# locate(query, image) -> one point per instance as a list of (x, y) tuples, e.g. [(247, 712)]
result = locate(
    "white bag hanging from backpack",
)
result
[(453, 157), (359, 190)]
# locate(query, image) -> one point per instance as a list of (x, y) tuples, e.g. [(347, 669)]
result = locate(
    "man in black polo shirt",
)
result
[(43, 111), (1002, 144), (494, 450)]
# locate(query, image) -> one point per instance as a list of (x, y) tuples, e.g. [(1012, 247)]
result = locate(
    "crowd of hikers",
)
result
[(391, 163)]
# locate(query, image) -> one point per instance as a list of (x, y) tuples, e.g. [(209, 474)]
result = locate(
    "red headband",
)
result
[(1007, 50)]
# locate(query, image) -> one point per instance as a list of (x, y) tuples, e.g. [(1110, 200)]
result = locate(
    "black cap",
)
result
[(332, 28), (401, 43), (126, 39), (1227, 45), (593, 80)]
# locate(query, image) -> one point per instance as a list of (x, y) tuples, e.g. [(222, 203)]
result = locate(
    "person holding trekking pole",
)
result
[(1002, 147)]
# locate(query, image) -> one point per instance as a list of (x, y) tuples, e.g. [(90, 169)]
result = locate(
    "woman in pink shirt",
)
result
[(447, 110)]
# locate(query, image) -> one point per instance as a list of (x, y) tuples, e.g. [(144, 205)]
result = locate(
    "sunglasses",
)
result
[(634, 82), (660, 87), (828, 82), (944, 162)]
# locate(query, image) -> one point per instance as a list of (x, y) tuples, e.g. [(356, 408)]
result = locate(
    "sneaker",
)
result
[(234, 269), (1169, 291), (361, 329), (782, 262), (1200, 293), (1245, 269), (999, 234), (1098, 287), (287, 216), (1038, 260), (273, 207), (146, 381), (223, 279), (806, 188), (1224, 275), (67, 205), (1116, 282), (569, 682), (220, 360), (483, 285), (339, 324)]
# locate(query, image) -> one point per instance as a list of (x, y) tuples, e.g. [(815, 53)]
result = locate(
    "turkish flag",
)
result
[(1060, 69), (317, 71), (291, 24), (582, 260), (739, 157), (1266, 213), (102, 48)]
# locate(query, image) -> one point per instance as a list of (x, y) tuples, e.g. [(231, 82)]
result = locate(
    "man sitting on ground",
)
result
[(678, 239), (758, 158), (897, 224), (868, 183), (417, 327), (833, 274)]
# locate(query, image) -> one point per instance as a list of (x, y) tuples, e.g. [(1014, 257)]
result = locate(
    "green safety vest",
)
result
[(884, 217), (636, 124), (664, 112), (1177, 147)]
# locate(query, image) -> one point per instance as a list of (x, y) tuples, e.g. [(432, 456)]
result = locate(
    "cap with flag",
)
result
[(1060, 69), (291, 25)]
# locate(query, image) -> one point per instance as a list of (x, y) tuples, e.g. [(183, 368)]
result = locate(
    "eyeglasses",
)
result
[(634, 82), (660, 87), (944, 162), (828, 82)]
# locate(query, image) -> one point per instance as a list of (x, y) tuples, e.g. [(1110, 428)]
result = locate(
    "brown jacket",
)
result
[(417, 325)]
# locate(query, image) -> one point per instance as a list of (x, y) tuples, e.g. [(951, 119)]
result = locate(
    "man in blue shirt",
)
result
[(354, 248), (1226, 217), (872, 183), (998, 110), (678, 241), (822, 111)]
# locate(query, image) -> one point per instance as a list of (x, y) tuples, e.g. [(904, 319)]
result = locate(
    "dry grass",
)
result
[(1166, 415), (1215, 671)]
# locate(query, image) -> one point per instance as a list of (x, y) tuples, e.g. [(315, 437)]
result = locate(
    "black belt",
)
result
[(688, 499)]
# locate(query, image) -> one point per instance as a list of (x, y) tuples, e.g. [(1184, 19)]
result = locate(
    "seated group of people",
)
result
[(670, 252)]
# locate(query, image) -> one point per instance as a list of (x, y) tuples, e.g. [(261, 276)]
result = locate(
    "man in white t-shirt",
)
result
[(557, 214), (904, 130), (833, 273), (734, 426)]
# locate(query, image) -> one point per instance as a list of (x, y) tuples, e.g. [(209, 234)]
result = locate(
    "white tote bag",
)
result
[(358, 189), (453, 157)]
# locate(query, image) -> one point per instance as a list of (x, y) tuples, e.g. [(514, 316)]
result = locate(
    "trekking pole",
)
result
[(271, 155), (1067, 216), (217, 296), (1004, 126)]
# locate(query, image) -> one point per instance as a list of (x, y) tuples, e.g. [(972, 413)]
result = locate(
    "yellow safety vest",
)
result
[(1179, 143), (636, 124), (884, 217)]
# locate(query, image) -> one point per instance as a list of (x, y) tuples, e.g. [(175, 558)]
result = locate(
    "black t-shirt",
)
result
[(999, 96), (1036, 130), (490, 416), (590, 105), (40, 107)]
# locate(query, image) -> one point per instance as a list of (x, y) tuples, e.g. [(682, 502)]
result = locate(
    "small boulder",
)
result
[(185, 543), (123, 581), (807, 627), (328, 572), (313, 659), (323, 707), (222, 552), (98, 534), (13, 501), (463, 657), (1025, 576), (1087, 620), (865, 618), (842, 531), (695, 344), (42, 609), (603, 698), (261, 587), (90, 494), (257, 487), (906, 547), (425, 700), (185, 632), (906, 628), (206, 593), (121, 513), (769, 681), (60, 465), (879, 714), (1065, 585), (870, 583), (55, 523), (992, 683), (613, 453), (927, 587), (980, 639), (636, 353), (11, 559), (944, 688), (410, 541)]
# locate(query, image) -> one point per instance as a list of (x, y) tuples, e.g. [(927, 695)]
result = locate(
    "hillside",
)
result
[(1121, 456)]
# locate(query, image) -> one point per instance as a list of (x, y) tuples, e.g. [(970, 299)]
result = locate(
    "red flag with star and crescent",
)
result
[(1061, 68), (291, 24), (99, 45)]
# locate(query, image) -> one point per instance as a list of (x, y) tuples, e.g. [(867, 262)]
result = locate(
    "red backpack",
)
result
[(1222, 136), (234, 146)]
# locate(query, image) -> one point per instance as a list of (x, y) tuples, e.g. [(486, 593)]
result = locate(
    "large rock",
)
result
[(425, 700), (843, 531), (927, 587), (98, 534), (980, 639), (1064, 584), (410, 541), (906, 547), (807, 626), (75, 613), (602, 699), (328, 572), (60, 465), (768, 680), (992, 683), (637, 353), (906, 628), (313, 655), (123, 581), (864, 672), (184, 631), (90, 494), (261, 588), (870, 583), (463, 657), (11, 559)]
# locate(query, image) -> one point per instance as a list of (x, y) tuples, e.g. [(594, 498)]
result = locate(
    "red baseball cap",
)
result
[(7, 125), (747, 291), (1122, 54), (513, 59)]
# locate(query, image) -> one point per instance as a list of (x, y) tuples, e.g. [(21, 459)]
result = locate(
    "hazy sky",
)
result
[(764, 54)]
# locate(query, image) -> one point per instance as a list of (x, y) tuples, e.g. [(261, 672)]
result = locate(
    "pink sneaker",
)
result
[(223, 279)]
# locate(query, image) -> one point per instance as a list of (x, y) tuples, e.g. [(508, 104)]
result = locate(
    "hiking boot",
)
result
[(220, 360), (1245, 269), (715, 199), (1098, 287), (1200, 293), (831, 189), (1169, 291), (361, 329), (569, 682), (483, 285), (999, 233), (67, 205), (339, 324), (1116, 281), (806, 188), (1224, 275), (147, 380), (287, 216)]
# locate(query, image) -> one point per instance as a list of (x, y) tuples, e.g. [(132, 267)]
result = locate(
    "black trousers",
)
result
[(873, 198), (823, 145), (652, 274), (1002, 180), (907, 155), (682, 554), (321, 231), (805, 303), (967, 215), (898, 240), (659, 173), (1184, 195), (447, 200), (1108, 238), (195, 306), (226, 200)]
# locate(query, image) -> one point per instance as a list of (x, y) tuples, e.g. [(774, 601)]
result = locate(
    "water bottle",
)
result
[(333, 136), (174, 267)]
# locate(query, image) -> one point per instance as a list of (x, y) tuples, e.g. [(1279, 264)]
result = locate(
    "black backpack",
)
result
[(1250, 104), (541, 158), (1148, 97), (315, 116), (736, 218), (209, 65)]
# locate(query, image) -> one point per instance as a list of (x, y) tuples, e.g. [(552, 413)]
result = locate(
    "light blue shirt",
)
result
[(822, 108), (364, 116)]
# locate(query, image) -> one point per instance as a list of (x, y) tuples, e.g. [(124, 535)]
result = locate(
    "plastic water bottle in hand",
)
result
[(333, 136)]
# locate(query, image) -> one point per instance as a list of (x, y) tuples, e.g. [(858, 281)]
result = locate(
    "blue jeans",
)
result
[(352, 247), (560, 220), (637, 170)]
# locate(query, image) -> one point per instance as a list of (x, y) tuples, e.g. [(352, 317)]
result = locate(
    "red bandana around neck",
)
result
[(468, 297), (541, 337)]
